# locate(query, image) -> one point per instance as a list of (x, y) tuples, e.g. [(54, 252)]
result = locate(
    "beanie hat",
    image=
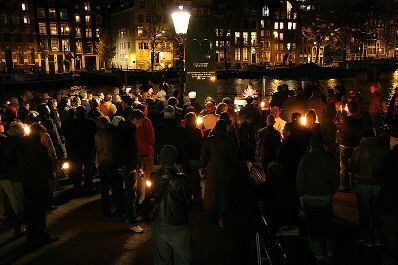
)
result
[(168, 155), (169, 112)]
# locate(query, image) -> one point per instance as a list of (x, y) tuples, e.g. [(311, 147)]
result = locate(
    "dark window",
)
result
[(140, 18), (142, 4)]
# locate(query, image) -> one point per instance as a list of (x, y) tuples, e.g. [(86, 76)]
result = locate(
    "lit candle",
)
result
[(65, 165), (26, 130), (199, 120), (148, 183), (303, 120)]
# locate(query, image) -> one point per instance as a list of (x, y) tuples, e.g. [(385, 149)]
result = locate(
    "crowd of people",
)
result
[(149, 146)]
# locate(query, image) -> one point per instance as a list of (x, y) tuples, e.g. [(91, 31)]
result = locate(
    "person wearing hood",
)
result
[(219, 154), (171, 234), (365, 165)]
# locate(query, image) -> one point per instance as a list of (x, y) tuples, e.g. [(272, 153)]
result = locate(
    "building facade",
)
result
[(18, 47), (143, 36)]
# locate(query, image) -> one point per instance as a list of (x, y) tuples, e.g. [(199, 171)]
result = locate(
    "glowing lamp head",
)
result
[(199, 120), (65, 165), (303, 121), (26, 130), (181, 20), (148, 183)]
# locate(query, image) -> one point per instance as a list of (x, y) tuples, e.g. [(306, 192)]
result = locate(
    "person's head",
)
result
[(14, 102), (172, 101), (127, 101), (44, 110), (220, 128), (26, 104), (28, 95), (144, 108), (103, 122), (108, 98), (36, 129), (83, 95), (311, 117), (190, 119), (95, 103), (210, 108), (221, 107), (65, 101), (374, 89), (279, 88), (136, 117), (285, 87), (316, 142), (169, 112), (76, 101), (52, 103), (352, 108), (296, 117), (227, 101), (270, 120), (89, 94), (16, 129), (249, 100), (168, 156), (80, 112), (276, 111), (352, 93), (225, 116)]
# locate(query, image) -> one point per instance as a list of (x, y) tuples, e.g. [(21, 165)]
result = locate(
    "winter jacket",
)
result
[(169, 132), (318, 174), (108, 109), (9, 167), (349, 130), (146, 138), (268, 142), (52, 130), (366, 161), (105, 146), (126, 147), (191, 143), (171, 198)]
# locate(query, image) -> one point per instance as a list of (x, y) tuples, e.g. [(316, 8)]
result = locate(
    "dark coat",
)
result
[(191, 143), (126, 147), (219, 156), (349, 130), (80, 139), (9, 166), (268, 142), (171, 198), (170, 132), (52, 130)]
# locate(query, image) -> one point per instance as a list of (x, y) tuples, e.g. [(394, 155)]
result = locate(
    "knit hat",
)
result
[(169, 112), (168, 155)]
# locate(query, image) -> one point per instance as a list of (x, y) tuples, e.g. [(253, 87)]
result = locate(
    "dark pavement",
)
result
[(87, 238)]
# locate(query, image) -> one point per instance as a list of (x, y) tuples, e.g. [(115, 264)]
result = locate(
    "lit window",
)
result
[(245, 54), (280, 25), (65, 29), (289, 9), (276, 34), (265, 11), (245, 37), (289, 25), (262, 23), (79, 47), (89, 32), (53, 29), (281, 36), (276, 25), (237, 55), (54, 44), (97, 32), (78, 32), (26, 20), (262, 33), (87, 6), (52, 13), (23, 6), (66, 45), (217, 43), (77, 18), (294, 25), (237, 36), (63, 14), (41, 13), (88, 19), (253, 38), (42, 28), (140, 30)]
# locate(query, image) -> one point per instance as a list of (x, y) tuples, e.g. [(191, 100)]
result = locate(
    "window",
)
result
[(63, 14), (87, 6), (26, 20), (262, 23), (142, 3), (245, 37), (294, 25), (262, 33), (79, 47), (24, 6), (140, 18), (140, 30), (54, 44), (20, 57), (265, 11), (281, 46), (65, 29), (97, 32), (280, 36), (53, 29), (146, 47), (153, 5), (267, 44), (52, 13), (90, 47), (128, 45), (89, 32), (245, 54), (289, 25), (289, 9), (276, 34), (78, 32), (77, 18), (294, 46), (281, 25), (65, 45), (277, 14), (217, 43), (42, 28), (41, 13), (140, 46), (268, 33), (253, 38), (276, 25), (88, 19), (237, 55)]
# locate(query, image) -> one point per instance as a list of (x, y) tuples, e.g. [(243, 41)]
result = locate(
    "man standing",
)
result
[(210, 119), (108, 108), (268, 142), (365, 165), (170, 228), (376, 105), (127, 149), (279, 123), (317, 181)]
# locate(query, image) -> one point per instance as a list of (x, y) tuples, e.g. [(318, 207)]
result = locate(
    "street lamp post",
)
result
[(181, 21)]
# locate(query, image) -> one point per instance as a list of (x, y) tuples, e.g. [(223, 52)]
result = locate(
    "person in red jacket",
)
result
[(146, 148)]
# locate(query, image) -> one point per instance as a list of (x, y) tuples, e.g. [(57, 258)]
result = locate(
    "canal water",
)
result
[(233, 86)]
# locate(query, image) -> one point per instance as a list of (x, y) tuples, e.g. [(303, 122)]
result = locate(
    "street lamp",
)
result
[(181, 21)]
